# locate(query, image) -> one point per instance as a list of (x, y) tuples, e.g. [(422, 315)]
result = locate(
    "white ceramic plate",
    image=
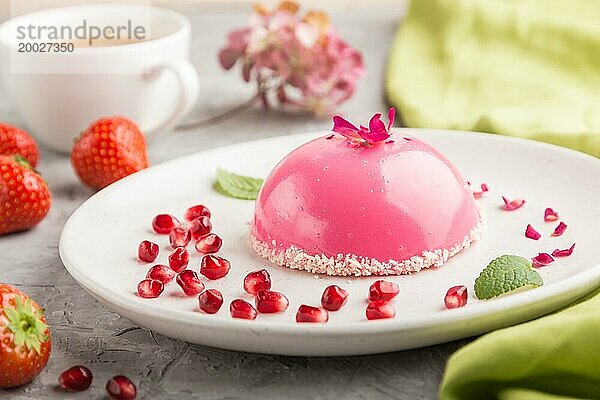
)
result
[(99, 245)]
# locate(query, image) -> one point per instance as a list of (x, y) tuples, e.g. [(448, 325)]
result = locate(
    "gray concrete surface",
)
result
[(86, 332)]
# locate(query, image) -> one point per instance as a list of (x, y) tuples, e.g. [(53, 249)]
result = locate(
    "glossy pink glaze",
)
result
[(391, 201)]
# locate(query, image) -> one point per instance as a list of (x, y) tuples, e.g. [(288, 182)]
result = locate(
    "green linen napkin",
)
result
[(528, 68), (553, 357)]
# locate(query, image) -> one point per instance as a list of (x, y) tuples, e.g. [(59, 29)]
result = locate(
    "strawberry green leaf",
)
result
[(11, 314), (19, 335), (506, 274), (26, 324), (22, 161), (237, 186)]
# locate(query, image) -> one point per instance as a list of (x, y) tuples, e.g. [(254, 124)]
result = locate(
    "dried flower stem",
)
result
[(225, 115), (263, 87)]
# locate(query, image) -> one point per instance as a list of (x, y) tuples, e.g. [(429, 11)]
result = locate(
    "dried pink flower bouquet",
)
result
[(297, 60)]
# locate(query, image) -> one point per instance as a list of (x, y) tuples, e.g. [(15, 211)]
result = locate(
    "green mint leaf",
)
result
[(505, 274), (237, 186)]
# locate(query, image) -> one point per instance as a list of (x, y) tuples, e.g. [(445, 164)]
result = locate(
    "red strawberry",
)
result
[(110, 149), (25, 345), (14, 141), (24, 196)]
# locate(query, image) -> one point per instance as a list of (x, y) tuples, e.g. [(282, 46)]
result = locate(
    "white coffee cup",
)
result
[(59, 94)]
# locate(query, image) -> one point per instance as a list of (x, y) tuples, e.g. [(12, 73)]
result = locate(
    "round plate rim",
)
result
[(501, 304)]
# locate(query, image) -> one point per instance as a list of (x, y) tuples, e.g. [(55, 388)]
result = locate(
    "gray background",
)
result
[(86, 332)]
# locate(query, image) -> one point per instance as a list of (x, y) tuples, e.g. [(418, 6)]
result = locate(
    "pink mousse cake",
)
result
[(340, 206)]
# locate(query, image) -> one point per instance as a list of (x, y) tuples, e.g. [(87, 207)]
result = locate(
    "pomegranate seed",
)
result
[(189, 282), (161, 273), (75, 379), (179, 259), (164, 223), (383, 291), (179, 237), (268, 302), (150, 288), (197, 211), (334, 297), (311, 314), (199, 227), (121, 388), (242, 309), (380, 309), (214, 267), (210, 301), (456, 297), (210, 243), (256, 281), (147, 251)]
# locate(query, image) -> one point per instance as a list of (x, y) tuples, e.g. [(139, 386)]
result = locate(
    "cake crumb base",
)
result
[(353, 265)]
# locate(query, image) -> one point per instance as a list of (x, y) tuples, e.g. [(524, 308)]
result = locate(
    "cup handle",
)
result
[(188, 82)]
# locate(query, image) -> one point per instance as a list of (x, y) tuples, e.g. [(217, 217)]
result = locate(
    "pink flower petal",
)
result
[(532, 233), (391, 117), (376, 125), (484, 188), (541, 260), (228, 58), (376, 132), (340, 123), (511, 205), (550, 215), (373, 137), (564, 252), (345, 128), (560, 229)]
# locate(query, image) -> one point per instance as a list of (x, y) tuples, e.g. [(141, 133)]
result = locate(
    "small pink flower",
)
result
[(296, 60), (376, 132)]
